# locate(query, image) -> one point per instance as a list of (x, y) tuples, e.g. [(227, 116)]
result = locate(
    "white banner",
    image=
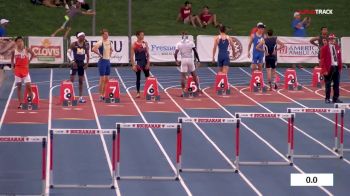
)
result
[(47, 49), (297, 50), (345, 49), (7, 45), (162, 48), (119, 44), (205, 45)]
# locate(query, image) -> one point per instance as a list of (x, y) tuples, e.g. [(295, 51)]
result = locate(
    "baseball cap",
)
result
[(81, 1), (261, 25), (332, 36), (80, 34), (3, 21), (296, 14)]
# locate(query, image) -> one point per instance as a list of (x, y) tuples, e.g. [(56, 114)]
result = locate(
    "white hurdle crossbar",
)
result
[(290, 117), (344, 106), (82, 132), (199, 120), (120, 126), (335, 111), (31, 139)]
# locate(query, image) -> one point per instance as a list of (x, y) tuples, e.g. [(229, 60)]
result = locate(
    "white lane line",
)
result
[(7, 105)]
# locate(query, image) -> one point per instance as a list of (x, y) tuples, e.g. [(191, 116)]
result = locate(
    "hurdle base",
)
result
[(223, 92), (151, 97), (158, 178), (316, 156), (112, 100), (27, 106), (208, 170), (82, 186), (70, 103), (265, 163)]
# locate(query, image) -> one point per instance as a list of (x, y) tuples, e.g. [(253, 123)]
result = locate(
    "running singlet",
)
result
[(80, 51), (21, 63), (223, 46), (256, 40), (140, 50)]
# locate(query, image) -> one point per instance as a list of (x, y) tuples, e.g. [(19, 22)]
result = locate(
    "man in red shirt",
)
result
[(185, 15), (331, 64), (208, 17)]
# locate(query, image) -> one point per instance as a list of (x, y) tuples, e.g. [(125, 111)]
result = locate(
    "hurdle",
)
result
[(344, 106), (290, 145), (31, 139), (120, 126), (335, 111), (199, 120), (82, 132)]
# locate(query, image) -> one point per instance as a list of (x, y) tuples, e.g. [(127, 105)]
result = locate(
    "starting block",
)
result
[(191, 87), (151, 89), (317, 78), (257, 82), (112, 91), (290, 80), (67, 97), (222, 86), (31, 103)]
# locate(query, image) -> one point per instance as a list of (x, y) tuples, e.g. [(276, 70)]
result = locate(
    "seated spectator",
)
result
[(207, 17), (185, 15)]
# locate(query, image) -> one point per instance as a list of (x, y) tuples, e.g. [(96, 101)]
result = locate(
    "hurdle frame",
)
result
[(202, 120), (119, 126), (344, 106), (82, 132), (290, 140), (335, 111), (31, 139)]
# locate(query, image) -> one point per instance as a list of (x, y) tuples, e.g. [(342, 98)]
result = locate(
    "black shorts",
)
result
[(80, 69), (271, 62)]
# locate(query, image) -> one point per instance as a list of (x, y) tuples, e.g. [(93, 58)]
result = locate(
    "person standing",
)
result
[(20, 61), (140, 59), (222, 41), (331, 64), (299, 26), (3, 24), (185, 47), (103, 49), (257, 39), (76, 54), (319, 39)]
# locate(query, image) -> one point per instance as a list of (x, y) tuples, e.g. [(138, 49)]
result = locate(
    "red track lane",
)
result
[(302, 94), (200, 102), (80, 112), (124, 108), (17, 116), (234, 99), (267, 97), (164, 105)]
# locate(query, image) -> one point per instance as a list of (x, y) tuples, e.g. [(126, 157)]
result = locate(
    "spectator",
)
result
[(3, 24), (49, 3), (185, 15), (72, 12), (299, 26), (207, 17)]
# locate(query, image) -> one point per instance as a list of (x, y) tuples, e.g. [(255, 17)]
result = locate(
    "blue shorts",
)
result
[(258, 58), (104, 67), (223, 60)]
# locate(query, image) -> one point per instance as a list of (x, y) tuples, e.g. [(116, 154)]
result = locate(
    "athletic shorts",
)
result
[(223, 60), (271, 62), (104, 67), (258, 58), (79, 69), (187, 65), (25, 79), (66, 24)]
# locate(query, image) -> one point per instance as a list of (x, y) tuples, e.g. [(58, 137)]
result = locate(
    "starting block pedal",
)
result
[(291, 81), (222, 86), (257, 82), (31, 103), (317, 78), (151, 89), (112, 91), (67, 97)]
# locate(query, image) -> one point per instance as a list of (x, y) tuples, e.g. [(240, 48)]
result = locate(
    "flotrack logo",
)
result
[(317, 12)]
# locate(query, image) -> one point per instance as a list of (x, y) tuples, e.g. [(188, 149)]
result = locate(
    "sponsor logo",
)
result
[(46, 51), (83, 132), (162, 49), (210, 120), (317, 12), (265, 115), (311, 110), (238, 49), (299, 50), (13, 139)]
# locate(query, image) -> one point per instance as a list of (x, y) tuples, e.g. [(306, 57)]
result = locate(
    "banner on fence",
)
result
[(7, 45), (345, 49), (47, 49)]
